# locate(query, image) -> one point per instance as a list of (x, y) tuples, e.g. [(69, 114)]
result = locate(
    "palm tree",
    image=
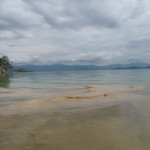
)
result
[(5, 64)]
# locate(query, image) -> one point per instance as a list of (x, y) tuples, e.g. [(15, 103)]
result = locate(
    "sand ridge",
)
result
[(88, 93), (94, 91)]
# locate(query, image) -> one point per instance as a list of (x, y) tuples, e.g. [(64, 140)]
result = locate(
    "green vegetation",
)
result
[(5, 65), (22, 70)]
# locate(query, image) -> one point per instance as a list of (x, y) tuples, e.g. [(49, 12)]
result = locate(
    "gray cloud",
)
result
[(75, 32), (143, 43), (73, 14)]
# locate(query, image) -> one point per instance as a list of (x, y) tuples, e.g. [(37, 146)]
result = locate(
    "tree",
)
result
[(5, 64)]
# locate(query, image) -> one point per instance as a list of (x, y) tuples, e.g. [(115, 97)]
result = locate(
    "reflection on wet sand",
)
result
[(4, 81)]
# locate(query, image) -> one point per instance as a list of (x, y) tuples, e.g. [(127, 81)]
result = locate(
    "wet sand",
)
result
[(92, 117)]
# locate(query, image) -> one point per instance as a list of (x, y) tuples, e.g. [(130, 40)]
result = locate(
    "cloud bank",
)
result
[(97, 32)]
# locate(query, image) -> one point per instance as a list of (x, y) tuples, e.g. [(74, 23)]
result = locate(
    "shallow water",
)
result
[(37, 115)]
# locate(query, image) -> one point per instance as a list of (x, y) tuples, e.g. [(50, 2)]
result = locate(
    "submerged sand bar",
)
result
[(98, 91), (63, 98)]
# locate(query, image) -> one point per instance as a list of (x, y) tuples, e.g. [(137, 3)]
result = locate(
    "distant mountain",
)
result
[(58, 67), (136, 65), (61, 67)]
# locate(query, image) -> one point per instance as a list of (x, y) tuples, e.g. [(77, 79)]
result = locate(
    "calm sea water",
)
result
[(75, 78), (29, 120)]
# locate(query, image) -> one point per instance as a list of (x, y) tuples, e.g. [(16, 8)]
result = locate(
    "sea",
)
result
[(75, 110)]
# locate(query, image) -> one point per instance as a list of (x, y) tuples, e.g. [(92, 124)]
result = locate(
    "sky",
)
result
[(85, 32)]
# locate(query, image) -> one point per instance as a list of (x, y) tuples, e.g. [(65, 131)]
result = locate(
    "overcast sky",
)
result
[(97, 32)]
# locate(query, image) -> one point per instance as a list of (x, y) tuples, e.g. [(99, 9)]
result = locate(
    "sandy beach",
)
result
[(69, 118)]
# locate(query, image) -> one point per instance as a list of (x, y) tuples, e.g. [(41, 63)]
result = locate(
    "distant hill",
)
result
[(61, 67), (134, 67)]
